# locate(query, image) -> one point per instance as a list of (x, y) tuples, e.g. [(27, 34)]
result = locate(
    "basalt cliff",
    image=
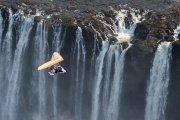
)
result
[(122, 60)]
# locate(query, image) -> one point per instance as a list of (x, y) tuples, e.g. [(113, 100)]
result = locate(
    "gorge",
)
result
[(122, 63)]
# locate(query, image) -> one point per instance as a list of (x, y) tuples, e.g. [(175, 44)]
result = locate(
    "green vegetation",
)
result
[(68, 20), (147, 46)]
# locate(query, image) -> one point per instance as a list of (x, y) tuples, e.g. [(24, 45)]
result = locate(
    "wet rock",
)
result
[(127, 23), (160, 34), (125, 45), (147, 47), (169, 38), (141, 31), (109, 13), (38, 18), (109, 20), (113, 40), (14, 8), (159, 25), (128, 20)]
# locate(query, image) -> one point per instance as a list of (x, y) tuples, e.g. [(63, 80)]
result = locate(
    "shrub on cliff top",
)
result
[(148, 46), (68, 20)]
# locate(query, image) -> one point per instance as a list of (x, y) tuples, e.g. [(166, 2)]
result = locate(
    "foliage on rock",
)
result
[(68, 20), (148, 46)]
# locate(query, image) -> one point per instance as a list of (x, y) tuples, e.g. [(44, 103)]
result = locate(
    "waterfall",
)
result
[(126, 23), (92, 87), (15, 77), (106, 91), (158, 84), (98, 78), (6, 48), (109, 76), (40, 50), (56, 37), (79, 54), (57, 42), (114, 100)]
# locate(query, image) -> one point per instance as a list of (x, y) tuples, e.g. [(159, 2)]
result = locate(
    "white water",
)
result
[(109, 75), (1, 68), (79, 56), (56, 37), (176, 32), (41, 44), (56, 42), (157, 90), (7, 45), (97, 80), (94, 52), (15, 77), (115, 92), (106, 86), (124, 34)]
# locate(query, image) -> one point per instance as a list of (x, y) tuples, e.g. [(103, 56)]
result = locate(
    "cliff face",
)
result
[(172, 103), (97, 26)]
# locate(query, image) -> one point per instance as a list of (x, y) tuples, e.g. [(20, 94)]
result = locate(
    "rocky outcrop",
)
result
[(141, 31), (159, 25)]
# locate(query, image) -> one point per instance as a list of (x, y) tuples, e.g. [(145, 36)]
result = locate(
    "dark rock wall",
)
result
[(173, 105), (136, 75)]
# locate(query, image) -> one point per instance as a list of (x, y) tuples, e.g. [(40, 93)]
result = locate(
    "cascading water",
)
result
[(158, 85), (114, 99), (56, 37), (40, 50), (57, 42), (108, 60), (106, 92), (15, 76), (98, 79), (79, 54), (6, 48), (126, 24)]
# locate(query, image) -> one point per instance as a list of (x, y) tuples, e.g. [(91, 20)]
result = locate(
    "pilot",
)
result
[(56, 69)]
